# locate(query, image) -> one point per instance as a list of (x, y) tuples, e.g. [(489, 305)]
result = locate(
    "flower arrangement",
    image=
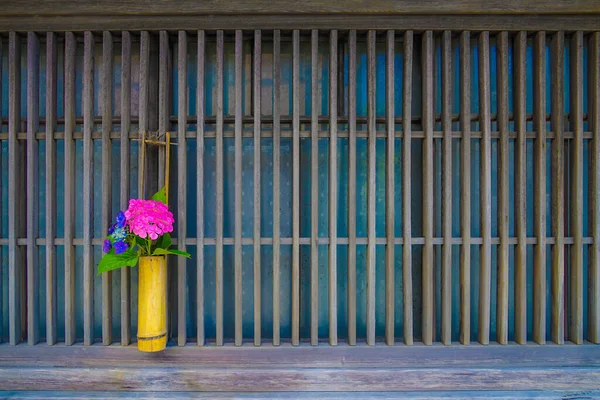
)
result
[(141, 230)]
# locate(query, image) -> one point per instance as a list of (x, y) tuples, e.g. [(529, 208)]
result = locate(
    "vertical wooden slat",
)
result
[(2, 333), (333, 178), (69, 198), (371, 193), (14, 253), (238, 189), (352, 188), (88, 184), (257, 150), (503, 189), (296, 188), (276, 186), (520, 85), (428, 122), (124, 178), (446, 331), (539, 212), (51, 295), (406, 188), (200, 190), (594, 123), (219, 202), (486, 188), (465, 188), (594, 120), (558, 187), (144, 103), (107, 58), (181, 185), (33, 71), (576, 290), (314, 186), (389, 193)]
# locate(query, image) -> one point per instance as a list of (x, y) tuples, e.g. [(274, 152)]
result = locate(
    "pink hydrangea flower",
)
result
[(149, 218)]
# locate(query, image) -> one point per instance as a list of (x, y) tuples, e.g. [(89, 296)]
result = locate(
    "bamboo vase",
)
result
[(152, 304)]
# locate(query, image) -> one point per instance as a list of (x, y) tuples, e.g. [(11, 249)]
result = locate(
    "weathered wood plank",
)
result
[(520, 110), (428, 126), (238, 189), (51, 278), (106, 209), (144, 96), (539, 210), (88, 184), (296, 188), (371, 181), (502, 326), (314, 187), (276, 186), (406, 188), (446, 331), (69, 199), (200, 336), (594, 119), (558, 189), (576, 275), (308, 379), (390, 202), (219, 191), (485, 189), (257, 71), (182, 173), (15, 196), (465, 188), (33, 76), (352, 188), (333, 179), (124, 178)]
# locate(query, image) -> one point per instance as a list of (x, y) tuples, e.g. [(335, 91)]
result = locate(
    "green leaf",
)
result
[(164, 242), (160, 252), (161, 195), (112, 261)]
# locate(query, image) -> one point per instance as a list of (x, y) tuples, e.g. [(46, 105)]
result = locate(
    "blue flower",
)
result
[(106, 247), (119, 234), (120, 247), (111, 229), (121, 220)]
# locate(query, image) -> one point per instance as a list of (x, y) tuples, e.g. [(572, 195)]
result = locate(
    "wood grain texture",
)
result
[(539, 191), (390, 201), (352, 188), (502, 308), (186, 7), (594, 119), (428, 126), (182, 215), (576, 192), (51, 275), (143, 107), (200, 107), (406, 188), (333, 186), (276, 186), (257, 184), (446, 330), (520, 110), (485, 266), (465, 188), (106, 206), (219, 191), (558, 190), (238, 190), (314, 187), (33, 290), (296, 188), (88, 184), (124, 189)]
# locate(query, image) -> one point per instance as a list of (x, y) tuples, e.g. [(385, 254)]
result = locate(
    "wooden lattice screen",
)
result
[(476, 220)]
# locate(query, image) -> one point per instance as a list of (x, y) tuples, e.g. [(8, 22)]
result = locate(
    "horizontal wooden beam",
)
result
[(418, 22)]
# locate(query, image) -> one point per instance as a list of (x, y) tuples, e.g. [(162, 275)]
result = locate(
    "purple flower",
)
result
[(120, 247), (106, 247), (111, 229), (121, 220)]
